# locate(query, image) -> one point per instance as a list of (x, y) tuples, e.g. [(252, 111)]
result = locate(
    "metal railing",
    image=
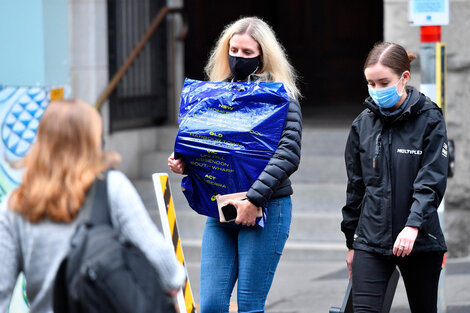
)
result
[(138, 83)]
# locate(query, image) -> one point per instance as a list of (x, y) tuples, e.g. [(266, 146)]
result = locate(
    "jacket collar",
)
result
[(253, 77), (414, 104)]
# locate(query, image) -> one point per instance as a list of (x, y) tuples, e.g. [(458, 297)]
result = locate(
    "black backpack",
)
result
[(101, 273)]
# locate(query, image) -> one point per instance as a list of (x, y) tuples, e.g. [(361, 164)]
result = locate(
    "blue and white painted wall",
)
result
[(21, 108), (34, 69)]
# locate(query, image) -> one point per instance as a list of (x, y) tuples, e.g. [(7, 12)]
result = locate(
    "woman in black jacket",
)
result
[(396, 160), (248, 50)]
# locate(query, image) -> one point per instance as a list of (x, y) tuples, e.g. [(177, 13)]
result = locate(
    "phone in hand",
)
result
[(229, 212)]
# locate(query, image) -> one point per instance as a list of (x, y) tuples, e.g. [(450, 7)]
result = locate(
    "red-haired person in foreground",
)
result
[(39, 217)]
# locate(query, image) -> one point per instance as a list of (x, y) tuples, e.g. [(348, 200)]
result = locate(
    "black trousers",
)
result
[(420, 272)]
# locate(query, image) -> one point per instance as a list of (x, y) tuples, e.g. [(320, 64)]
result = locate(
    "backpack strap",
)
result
[(60, 298), (95, 211), (100, 207)]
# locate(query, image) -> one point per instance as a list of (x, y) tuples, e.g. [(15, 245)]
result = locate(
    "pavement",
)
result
[(316, 286)]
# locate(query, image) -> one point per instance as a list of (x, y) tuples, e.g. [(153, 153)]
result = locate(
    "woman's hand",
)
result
[(246, 212), (349, 261), (176, 165), (173, 292), (405, 241)]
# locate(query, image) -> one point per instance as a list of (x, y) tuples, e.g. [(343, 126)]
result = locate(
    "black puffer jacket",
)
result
[(397, 175), (274, 181)]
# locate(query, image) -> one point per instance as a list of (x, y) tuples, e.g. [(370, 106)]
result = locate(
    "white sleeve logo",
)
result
[(444, 150)]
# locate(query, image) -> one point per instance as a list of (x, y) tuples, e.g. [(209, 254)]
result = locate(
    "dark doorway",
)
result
[(327, 42), (140, 98)]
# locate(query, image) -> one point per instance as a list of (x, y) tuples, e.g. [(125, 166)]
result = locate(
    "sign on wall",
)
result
[(428, 12)]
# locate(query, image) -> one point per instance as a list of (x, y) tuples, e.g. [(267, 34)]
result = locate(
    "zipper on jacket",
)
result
[(390, 174), (377, 150), (390, 155)]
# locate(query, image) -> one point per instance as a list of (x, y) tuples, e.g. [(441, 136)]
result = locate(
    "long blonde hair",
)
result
[(62, 164), (276, 66)]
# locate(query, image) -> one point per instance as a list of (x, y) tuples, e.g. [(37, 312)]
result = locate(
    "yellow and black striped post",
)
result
[(166, 209)]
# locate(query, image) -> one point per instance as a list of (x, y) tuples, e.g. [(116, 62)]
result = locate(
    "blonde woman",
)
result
[(39, 217), (249, 50)]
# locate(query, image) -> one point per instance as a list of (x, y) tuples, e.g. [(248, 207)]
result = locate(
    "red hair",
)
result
[(62, 163)]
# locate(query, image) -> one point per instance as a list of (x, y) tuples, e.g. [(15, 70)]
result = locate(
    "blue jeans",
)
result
[(249, 254)]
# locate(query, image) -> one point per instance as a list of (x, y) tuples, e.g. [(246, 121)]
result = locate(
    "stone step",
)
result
[(316, 211), (312, 237), (293, 251), (321, 161), (318, 197), (307, 197), (154, 162), (305, 227), (315, 140), (166, 138), (321, 169), (324, 141), (317, 227), (313, 168)]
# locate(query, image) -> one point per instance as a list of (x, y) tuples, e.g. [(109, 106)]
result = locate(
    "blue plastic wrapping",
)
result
[(227, 134)]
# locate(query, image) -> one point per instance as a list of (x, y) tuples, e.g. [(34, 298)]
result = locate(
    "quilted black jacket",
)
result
[(274, 181)]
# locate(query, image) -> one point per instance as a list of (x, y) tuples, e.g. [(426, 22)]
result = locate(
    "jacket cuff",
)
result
[(414, 220), (414, 224), (349, 239), (256, 198)]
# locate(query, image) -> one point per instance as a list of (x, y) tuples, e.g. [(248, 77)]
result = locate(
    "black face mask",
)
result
[(242, 67)]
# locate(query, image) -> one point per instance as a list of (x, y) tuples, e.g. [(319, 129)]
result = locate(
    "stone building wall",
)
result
[(456, 36)]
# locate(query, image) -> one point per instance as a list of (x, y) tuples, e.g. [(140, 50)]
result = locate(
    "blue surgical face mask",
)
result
[(386, 97)]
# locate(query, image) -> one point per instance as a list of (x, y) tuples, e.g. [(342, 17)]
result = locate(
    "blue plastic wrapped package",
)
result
[(227, 134)]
